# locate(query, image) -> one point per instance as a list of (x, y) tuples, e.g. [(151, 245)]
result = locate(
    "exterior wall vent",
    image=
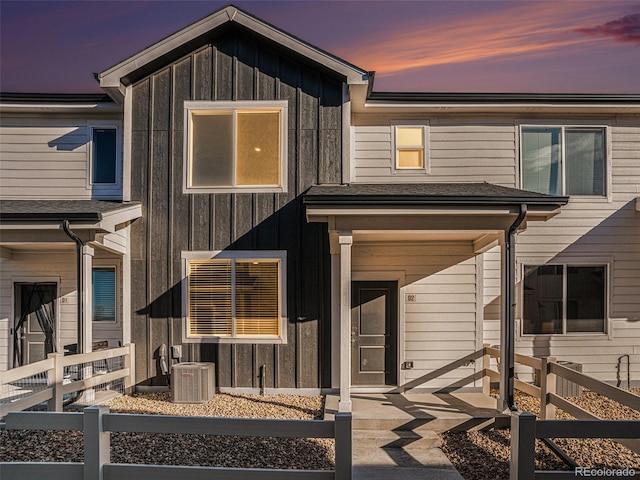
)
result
[(192, 382)]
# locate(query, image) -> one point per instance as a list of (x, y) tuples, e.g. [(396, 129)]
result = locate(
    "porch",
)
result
[(407, 276)]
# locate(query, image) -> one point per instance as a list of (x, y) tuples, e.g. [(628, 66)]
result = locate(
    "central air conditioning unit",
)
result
[(192, 382)]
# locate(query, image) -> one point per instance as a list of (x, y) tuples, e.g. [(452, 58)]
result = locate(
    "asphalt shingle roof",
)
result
[(58, 209)]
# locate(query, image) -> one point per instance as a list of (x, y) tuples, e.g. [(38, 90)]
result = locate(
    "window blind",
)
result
[(257, 305), (104, 294), (210, 298), (236, 297)]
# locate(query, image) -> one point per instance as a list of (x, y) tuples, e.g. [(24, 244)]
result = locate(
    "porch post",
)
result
[(345, 239), (335, 308), (87, 298)]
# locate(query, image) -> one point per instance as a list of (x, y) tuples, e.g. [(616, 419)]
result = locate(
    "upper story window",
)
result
[(104, 155), (564, 298), (410, 149), (236, 296), (236, 146), (564, 160)]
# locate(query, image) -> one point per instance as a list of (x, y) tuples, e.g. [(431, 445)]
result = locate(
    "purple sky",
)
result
[(464, 46)]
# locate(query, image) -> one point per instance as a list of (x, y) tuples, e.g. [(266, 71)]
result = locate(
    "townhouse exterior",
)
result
[(253, 200)]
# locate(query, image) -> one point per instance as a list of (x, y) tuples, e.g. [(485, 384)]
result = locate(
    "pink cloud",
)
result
[(530, 30), (624, 30)]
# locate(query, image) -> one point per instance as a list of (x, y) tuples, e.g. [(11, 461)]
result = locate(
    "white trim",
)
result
[(127, 135), (279, 255), (104, 263), (105, 190), (281, 106), (426, 168)]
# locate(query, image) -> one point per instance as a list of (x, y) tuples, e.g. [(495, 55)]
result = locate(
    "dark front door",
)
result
[(34, 330), (374, 318)]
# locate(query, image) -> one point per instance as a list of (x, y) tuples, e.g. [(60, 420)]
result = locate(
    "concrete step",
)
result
[(438, 425), (397, 439)]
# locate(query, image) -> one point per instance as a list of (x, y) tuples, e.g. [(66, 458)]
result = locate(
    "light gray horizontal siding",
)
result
[(48, 158), (457, 153), (587, 228), (441, 325), (42, 265)]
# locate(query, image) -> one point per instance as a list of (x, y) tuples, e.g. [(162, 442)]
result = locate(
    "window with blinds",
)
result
[(234, 298), (104, 294)]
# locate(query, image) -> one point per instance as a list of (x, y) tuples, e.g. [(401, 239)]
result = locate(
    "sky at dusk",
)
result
[(581, 46)]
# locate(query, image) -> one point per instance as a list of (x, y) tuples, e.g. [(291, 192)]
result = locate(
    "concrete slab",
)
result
[(395, 436), (437, 412)]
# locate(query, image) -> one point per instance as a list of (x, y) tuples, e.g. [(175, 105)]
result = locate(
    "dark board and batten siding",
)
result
[(233, 67)]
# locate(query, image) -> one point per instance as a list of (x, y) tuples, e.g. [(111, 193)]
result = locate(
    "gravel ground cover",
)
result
[(204, 450), (485, 455)]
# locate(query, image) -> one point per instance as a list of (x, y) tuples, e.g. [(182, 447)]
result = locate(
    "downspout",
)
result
[(79, 245), (510, 302)]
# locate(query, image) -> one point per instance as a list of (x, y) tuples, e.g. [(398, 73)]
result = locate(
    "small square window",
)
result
[(236, 146), (103, 155), (410, 148)]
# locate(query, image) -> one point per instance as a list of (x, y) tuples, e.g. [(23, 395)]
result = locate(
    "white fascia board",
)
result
[(110, 78), (111, 220), (390, 107), (102, 107)]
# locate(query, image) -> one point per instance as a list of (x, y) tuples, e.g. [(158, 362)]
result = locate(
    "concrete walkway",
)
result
[(396, 436)]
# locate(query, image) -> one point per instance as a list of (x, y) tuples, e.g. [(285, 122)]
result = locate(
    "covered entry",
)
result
[(374, 325), (372, 226)]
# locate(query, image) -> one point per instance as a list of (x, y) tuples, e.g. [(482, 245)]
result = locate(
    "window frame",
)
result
[(397, 170), (563, 127), (115, 268), (234, 106), (606, 264), (105, 190), (233, 255)]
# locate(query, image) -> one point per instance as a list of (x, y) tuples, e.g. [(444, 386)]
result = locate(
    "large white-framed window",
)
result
[(235, 296), (564, 159), (410, 152), (104, 159), (235, 146), (565, 298)]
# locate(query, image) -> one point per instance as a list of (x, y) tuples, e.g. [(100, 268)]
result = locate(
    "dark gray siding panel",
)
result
[(233, 67)]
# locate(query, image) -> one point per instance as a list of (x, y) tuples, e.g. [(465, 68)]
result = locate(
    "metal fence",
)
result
[(97, 423)]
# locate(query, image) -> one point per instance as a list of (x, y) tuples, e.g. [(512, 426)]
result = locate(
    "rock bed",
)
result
[(485, 455), (175, 449)]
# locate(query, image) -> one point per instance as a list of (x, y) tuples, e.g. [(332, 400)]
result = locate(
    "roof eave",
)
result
[(111, 79)]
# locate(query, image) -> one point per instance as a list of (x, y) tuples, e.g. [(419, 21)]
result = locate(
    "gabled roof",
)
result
[(114, 78)]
